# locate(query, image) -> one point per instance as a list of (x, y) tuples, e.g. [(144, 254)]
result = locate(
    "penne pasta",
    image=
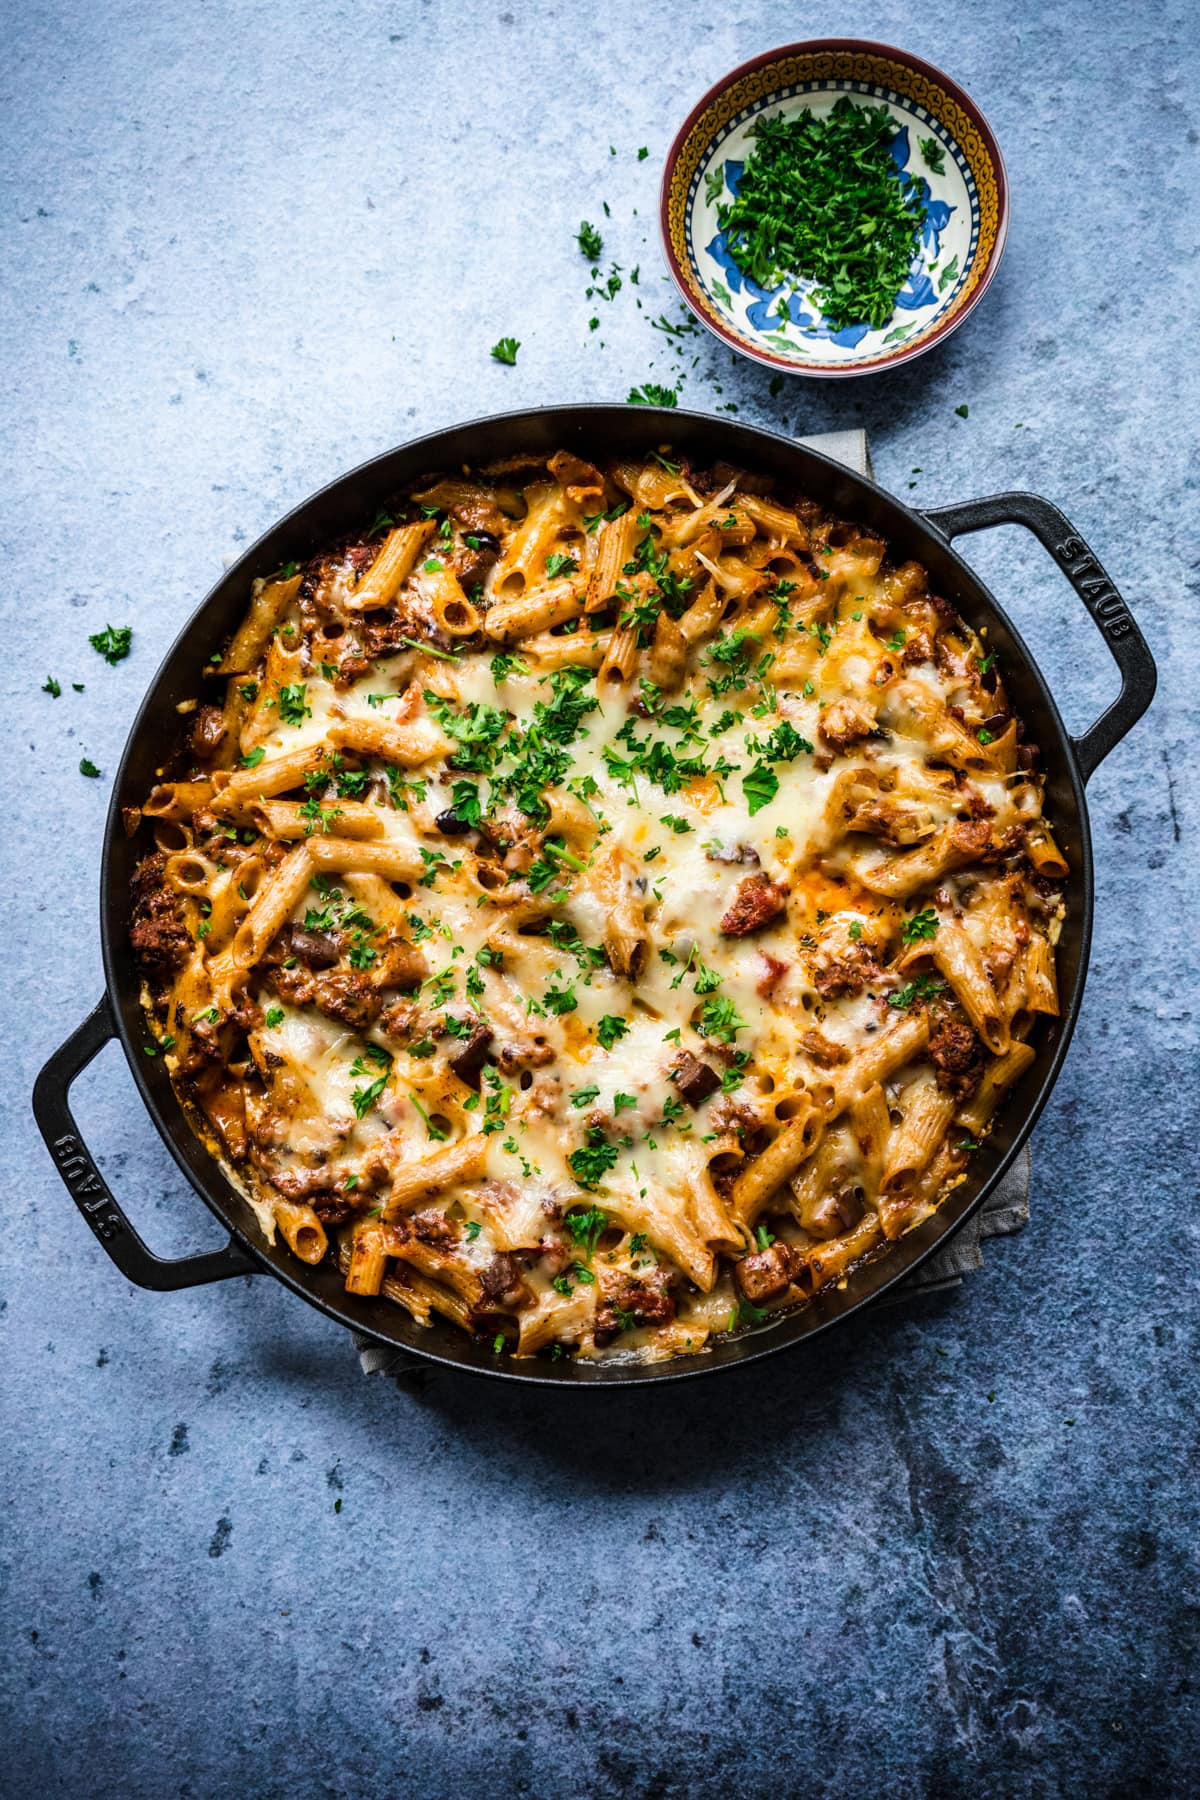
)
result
[(604, 910)]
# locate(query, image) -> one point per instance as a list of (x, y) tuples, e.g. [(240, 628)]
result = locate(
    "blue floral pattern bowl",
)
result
[(941, 140)]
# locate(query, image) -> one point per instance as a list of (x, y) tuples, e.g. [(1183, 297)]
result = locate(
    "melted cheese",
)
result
[(578, 1106)]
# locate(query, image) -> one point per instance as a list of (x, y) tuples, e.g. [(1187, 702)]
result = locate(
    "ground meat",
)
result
[(833, 1215), (383, 633), (398, 965), (846, 722), (1010, 841), (343, 994), (634, 1302), (889, 820), (773, 973), (300, 1184), (555, 1254), (973, 802), (501, 1282), (159, 937), (955, 1052), (208, 731), (473, 564), (733, 1118), (433, 1227), (732, 853), (525, 1053), (757, 901), (468, 1060), (315, 949), (402, 1020), (767, 1273), (695, 1080), (333, 1209), (479, 514), (848, 974), (823, 1050), (971, 838), (918, 648)]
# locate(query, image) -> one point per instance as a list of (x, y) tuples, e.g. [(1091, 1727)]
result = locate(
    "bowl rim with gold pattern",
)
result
[(872, 71)]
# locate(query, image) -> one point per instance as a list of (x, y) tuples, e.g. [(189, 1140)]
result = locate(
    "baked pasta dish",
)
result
[(606, 905)]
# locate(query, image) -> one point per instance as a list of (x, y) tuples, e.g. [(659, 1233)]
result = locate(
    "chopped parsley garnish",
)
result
[(432, 1130), (720, 1019), (317, 817), (113, 642), (410, 643), (933, 154), (88, 767), (506, 350), (557, 563), (293, 704), (559, 999), (364, 1098), (610, 1030), (591, 244), (784, 744), (746, 1313), (821, 197), (652, 393), (584, 1096), (921, 987), (922, 925), (586, 1225), (465, 803), (51, 687), (985, 736), (503, 665), (760, 786), (963, 411), (473, 1230)]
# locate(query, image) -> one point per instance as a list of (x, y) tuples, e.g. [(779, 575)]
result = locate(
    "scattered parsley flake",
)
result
[(113, 643), (610, 1030), (923, 924), (652, 393), (591, 244), (933, 155)]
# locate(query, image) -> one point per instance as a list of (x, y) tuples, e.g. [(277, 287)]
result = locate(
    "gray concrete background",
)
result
[(953, 1552)]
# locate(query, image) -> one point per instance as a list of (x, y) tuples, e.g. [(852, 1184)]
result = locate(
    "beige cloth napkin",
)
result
[(1006, 1211)]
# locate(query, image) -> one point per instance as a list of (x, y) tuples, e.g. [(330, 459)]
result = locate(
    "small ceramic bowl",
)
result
[(961, 240)]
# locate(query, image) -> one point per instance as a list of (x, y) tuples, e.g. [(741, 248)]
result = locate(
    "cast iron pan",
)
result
[(592, 431)]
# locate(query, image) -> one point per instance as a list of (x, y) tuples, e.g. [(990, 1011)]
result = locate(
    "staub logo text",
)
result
[(87, 1189), (1094, 588)]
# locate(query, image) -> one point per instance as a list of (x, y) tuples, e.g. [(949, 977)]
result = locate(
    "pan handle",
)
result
[(88, 1188), (1083, 570)]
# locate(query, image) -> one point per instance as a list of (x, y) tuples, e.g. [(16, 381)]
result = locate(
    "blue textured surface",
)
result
[(952, 1552)]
